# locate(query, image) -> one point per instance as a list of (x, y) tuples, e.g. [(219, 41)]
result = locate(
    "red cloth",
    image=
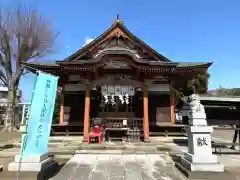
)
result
[(96, 131)]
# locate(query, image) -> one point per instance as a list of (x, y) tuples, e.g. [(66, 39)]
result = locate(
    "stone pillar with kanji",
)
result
[(199, 156)]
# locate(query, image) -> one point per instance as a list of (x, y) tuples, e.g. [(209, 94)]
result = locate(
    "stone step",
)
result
[(114, 152), (18, 145), (124, 147), (101, 148)]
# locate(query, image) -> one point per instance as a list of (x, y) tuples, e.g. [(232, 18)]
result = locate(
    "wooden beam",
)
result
[(96, 73), (86, 114), (137, 75), (145, 114)]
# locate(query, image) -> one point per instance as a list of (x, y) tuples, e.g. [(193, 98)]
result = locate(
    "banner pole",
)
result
[(37, 70), (24, 136)]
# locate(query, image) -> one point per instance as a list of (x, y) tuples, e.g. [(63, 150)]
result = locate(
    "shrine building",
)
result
[(119, 78)]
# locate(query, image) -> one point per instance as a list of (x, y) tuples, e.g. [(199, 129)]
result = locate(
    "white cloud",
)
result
[(87, 40), (67, 49)]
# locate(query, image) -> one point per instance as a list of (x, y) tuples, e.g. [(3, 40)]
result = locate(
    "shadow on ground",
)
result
[(6, 146), (44, 175), (181, 142)]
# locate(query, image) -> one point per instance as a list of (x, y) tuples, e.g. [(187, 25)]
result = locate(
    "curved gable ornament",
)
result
[(113, 64), (116, 51)]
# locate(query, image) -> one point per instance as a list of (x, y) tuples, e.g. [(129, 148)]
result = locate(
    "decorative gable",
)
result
[(117, 36), (115, 64), (116, 44)]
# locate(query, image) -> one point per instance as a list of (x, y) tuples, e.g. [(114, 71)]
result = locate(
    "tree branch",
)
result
[(24, 35)]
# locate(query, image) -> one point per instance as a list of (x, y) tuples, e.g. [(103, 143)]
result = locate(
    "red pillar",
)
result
[(86, 114), (62, 108), (145, 114), (172, 110)]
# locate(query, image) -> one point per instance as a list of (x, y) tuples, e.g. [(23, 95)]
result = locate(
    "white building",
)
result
[(4, 101)]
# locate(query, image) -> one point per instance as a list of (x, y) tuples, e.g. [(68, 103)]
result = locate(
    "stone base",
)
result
[(204, 174), (146, 139), (85, 139), (206, 159), (22, 128), (47, 173), (206, 167), (31, 163)]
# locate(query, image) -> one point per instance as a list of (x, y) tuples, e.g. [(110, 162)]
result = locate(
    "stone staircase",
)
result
[(114, 147)]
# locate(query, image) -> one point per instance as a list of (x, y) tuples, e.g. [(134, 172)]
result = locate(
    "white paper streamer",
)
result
[(127, 99), (106, 99), (121, 99), (113, 100)]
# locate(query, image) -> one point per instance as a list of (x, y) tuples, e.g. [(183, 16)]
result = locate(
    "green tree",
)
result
[(228, 92), (184, 87), (24, 36), (56, 112)]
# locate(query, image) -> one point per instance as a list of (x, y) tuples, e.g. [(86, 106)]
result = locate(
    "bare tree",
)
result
[(24, 36)]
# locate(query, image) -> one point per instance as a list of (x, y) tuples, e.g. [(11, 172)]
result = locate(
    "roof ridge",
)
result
[(119, 24)]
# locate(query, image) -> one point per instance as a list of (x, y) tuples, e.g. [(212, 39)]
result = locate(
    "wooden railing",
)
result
[(131, 128), (119, 122)]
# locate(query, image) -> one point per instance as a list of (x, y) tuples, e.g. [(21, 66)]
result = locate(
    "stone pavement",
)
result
[(119, 167)]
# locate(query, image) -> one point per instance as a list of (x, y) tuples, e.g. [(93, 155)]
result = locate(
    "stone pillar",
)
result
[(23, 120), (86, 114), (145, 114), (172, 110), (23, 115), (199, 156)]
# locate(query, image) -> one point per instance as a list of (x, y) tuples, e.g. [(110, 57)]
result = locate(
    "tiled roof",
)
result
[(207, 97), (178, 64)]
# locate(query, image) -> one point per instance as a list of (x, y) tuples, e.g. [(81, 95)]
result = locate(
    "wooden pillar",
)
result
[(86, 114), (62, 109), (172, 110), (145, 114)]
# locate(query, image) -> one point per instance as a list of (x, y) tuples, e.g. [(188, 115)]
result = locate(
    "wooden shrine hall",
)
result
[(120, 79)]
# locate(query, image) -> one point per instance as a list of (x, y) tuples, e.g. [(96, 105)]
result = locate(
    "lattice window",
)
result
[(109, 107)]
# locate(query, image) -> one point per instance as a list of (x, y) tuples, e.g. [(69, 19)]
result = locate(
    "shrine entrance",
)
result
[(117, 101), (120, 105), (118, 58)]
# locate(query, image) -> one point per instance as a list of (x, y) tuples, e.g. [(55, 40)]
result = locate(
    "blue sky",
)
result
[(186, 30)]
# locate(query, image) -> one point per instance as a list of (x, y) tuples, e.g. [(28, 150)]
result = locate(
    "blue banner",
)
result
[(40, 115)]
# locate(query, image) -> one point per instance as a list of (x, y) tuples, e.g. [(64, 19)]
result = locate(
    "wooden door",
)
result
[(162, 115)]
